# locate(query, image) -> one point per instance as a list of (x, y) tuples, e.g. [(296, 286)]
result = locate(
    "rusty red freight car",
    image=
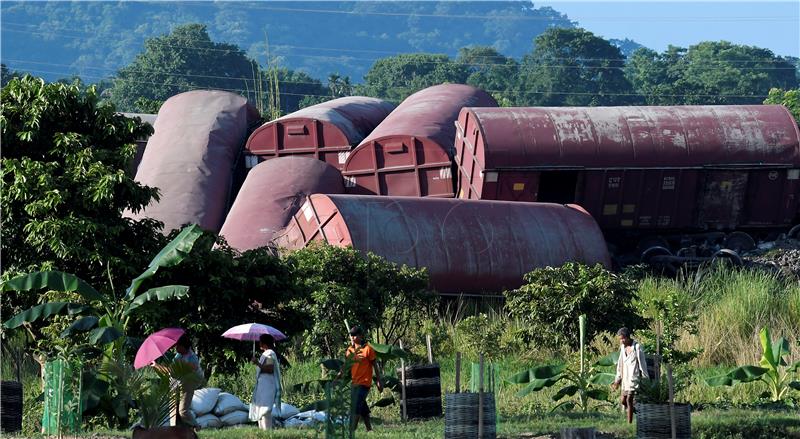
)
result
[(638, 168), (467, 246), (410, 153), (326, 131), (191, 155), (271, 194)]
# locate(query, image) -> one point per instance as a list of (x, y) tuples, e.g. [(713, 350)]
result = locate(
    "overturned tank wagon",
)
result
[(471, 247), (191, 156), (326, 131), (271, 194), (411, 152), (656, 173)]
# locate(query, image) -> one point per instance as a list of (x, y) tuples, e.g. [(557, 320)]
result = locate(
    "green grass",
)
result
[(708, 424)]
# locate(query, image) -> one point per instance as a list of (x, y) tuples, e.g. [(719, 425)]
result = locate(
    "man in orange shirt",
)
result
[(364, 357)]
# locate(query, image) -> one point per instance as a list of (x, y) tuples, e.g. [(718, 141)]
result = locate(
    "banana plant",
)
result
[(773, 370), (103, 317), (580, 381)]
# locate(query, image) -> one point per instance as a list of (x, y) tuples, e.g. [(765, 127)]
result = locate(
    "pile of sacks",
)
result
[(214, 408)]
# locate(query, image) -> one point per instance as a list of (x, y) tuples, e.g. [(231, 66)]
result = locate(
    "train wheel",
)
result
[(727, 256), (739, 242), (652, 242), (794, 232)]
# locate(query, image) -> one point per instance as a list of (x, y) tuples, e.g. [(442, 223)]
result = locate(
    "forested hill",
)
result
[(94, 39)]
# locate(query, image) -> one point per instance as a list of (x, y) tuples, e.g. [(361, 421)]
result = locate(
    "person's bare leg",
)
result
[(630, 408)]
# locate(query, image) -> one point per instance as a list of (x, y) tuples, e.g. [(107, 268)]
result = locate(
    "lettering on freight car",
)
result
[(349, 181), (445, 174), (773, 175), (519, 186), (610, 209), (250, 161), (668, 184), (626, 223), (644, 220), (664, 220), (628, 208), (613, 182)]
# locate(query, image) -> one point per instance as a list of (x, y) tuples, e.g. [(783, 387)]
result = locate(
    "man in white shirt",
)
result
[(631, 367)]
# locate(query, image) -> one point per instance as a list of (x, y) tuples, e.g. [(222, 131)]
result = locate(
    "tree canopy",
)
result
[(491, 71), (183, 60), (396, 77), (65, 184), (712, 72), (573, 67)]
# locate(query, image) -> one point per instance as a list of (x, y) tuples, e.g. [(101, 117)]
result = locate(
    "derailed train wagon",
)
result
[(271, 194), (410, 153), (190, 158), (472, 247), (326, 131), (658, 169)]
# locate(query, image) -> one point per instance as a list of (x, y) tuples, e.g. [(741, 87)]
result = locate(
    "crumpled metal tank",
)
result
[(326, 131), (410, 153), (190, 157), (473, 247), (271, 194)]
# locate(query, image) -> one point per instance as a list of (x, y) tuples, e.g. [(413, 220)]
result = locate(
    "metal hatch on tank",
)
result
[(411, 152), (472, 247)]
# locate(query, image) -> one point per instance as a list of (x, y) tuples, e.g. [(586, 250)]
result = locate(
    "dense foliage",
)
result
[(788, 98), (396, 77), (337, 284), (553, 297), (709, 73), (573, 67), (65, 184)]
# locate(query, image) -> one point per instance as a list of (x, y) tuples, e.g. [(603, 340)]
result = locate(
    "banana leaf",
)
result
[(332, 364), (384, 402), (537, 385), (52, 281), (794, 385), (388, 352), (44, 311), (565, 391), (104, 335), (161, 293), (609, 360), (602, 378), (565, 405), (171, 255), (743, 374), (83, 324), (537, 373), (598, 394)]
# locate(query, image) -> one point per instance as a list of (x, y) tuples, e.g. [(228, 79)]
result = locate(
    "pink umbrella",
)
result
[(155, 345), (252, 331)]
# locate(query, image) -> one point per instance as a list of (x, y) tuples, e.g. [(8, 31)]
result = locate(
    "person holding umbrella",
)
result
[(185, 355), (267, 390)]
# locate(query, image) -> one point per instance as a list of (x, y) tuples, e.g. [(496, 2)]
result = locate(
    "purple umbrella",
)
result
[(155, 345), (252, 331)]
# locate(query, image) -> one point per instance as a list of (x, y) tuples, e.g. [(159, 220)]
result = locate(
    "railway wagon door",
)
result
[(721, 204), (771, 198)]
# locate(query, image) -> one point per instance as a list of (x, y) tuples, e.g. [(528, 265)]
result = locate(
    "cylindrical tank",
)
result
[(467, 246), (410, 153), (326, 131), (538, 138), (272, 193), (190, 157)]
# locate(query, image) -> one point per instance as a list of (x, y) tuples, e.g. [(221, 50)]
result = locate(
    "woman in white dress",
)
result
[(267, 391)]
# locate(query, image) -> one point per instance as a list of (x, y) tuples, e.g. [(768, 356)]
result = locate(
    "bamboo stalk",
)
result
[(430, 352), (480, 397), (403, 384), (458, 372)]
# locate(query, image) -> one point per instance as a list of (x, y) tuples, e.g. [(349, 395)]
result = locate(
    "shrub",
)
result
[(552, 299), (335, 284)]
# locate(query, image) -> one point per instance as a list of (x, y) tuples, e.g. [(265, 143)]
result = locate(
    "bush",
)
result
[(490, 336), (552, 299), (335, 284), (741, 424)]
